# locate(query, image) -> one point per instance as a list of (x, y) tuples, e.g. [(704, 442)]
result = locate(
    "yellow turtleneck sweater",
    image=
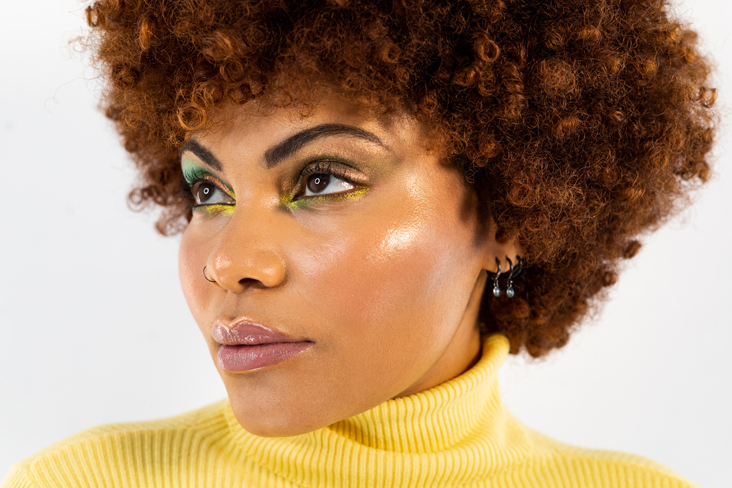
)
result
[(458, 433)]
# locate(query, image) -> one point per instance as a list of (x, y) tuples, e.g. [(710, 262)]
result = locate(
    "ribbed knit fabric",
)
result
[(456, 434)]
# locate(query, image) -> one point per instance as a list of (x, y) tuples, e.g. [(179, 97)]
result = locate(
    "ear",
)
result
[(492, 249)]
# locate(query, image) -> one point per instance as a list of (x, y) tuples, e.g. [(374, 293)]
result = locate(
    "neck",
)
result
[(453, 424)]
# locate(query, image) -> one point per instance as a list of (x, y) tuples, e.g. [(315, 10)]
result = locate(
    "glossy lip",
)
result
[(249, 333), (246, 346)]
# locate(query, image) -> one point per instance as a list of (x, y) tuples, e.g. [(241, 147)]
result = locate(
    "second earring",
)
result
[(513, 272)]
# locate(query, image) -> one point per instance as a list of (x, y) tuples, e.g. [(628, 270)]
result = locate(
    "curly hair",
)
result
[(581, 125)]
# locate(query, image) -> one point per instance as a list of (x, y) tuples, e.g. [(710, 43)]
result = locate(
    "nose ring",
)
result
[(204, 275)]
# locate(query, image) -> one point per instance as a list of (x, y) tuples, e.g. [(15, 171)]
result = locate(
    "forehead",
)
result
[(258, 126)]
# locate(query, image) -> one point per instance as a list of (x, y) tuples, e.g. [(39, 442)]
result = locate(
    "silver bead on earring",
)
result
[(496, 287), (512, 274), (509, 288)]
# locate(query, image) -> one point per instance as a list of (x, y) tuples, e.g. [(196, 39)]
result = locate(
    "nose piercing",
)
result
[(204, 275)]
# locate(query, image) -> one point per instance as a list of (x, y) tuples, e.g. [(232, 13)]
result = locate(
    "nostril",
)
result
[(252, 283)]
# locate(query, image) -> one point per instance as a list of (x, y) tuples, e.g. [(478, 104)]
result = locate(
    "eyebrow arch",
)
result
[(292, 144), (203, 154)]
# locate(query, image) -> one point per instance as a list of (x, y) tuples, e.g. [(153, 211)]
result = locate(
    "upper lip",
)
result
[(247, 332)]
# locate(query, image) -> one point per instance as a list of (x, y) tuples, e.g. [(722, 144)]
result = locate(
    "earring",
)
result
[(496, 288), (509, 289)]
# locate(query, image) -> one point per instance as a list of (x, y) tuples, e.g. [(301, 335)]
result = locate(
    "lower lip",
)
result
[(247, 358)]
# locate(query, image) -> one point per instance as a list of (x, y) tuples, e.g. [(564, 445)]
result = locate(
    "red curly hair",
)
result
[(580, 124)]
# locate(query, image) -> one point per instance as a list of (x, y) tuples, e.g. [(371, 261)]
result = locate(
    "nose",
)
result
[(247, 253)]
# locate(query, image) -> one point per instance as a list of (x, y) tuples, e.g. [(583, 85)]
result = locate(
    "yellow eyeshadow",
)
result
[(287, 202), (214, 209)]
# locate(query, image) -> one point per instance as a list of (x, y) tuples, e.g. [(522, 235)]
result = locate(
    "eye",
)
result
[(318, 183), (207, 193)]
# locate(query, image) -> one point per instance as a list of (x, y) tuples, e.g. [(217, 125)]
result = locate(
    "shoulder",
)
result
[(576, 466), (121, 451)]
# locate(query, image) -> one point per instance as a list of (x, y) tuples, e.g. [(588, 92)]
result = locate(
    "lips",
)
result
[(246, 346)]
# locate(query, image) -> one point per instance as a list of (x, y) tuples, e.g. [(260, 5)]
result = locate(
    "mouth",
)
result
[(246, 345), (248, 358)]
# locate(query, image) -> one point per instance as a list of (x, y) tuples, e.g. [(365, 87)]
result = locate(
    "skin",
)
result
[(385, 278)]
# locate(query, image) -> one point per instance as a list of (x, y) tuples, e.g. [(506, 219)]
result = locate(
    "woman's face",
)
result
[(344, 232)]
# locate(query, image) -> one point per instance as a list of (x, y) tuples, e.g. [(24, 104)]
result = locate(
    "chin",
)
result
[(264, 422), (271, 427), (272, 412)]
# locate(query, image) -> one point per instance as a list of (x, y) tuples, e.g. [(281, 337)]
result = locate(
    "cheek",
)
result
[(192, 256), (390, 278)]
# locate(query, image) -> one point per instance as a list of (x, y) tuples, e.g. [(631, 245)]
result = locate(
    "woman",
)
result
[(379, 202)]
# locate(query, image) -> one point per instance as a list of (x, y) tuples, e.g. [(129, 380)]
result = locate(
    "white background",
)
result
[(94, 328)]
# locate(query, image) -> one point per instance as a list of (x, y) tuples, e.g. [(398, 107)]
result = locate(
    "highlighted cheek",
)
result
[(413, 224), (399, 239)]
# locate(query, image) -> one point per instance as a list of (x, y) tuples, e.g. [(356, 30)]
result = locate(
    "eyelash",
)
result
[(329, 167), (193, 177)]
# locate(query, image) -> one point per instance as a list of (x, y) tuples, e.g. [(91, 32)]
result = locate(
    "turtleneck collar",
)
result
[(452, 434)]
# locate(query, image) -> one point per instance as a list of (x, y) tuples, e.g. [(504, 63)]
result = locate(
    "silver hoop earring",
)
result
[(496, 287), (514, 272), (204, 275)]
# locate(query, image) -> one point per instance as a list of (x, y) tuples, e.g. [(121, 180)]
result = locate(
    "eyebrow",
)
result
[(276, 154), (292, 144), (203, 154)]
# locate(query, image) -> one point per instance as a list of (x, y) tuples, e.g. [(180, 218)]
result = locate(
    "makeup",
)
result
[(287, 202), (247, 358), (211, 210), (246, 346), (329, 165), (193, 173)]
